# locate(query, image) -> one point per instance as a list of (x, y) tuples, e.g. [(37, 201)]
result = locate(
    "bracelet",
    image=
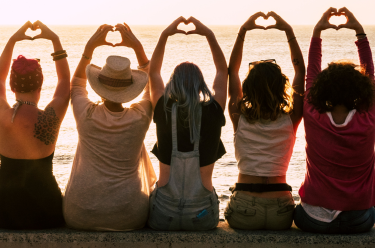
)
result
[(240, 36), (58, 53), (292, 38), (60, 56), (360, 34), (84, 56)]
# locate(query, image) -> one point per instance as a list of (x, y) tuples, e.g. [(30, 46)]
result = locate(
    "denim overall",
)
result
[(183, 203)]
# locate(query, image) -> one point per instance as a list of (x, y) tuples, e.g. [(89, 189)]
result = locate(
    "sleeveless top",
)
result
[(211, 147), (29, 195), (264, 148)]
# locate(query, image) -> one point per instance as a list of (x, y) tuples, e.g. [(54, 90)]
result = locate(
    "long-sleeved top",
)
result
[(339, 159), (112, 175)]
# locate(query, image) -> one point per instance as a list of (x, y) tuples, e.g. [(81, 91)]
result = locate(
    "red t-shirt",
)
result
[(339, 160)]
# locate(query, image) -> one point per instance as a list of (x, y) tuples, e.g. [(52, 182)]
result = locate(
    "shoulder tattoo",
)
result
[(295, 61), (47, 127)]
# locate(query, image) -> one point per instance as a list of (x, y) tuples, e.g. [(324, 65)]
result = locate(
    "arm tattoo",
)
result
[(47, 127), (295, 61)]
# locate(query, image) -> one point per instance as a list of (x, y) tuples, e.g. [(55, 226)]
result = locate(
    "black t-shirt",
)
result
[(211, 147)]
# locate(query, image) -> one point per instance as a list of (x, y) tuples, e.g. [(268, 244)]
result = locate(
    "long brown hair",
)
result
[(267, 92)]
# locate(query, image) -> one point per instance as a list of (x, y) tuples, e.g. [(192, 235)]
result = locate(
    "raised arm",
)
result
[(98, 39), (129, 40), (61, 97), (221, 77), (314, 66), (156, 81), (364, 51), (235, 89), (298, 65), (6, 59)]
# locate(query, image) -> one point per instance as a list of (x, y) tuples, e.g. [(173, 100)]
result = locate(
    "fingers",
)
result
[(271, 27), (108, 43), (38, 25), (344, 10), (104, 27), (334, 26), (192, 19), (178, 31), (259, 14), (107, 28), (179, 20), (128, 28), (27, 25), (191, 32), (331, 11), (28, 37), (273, 14), (39, 36)]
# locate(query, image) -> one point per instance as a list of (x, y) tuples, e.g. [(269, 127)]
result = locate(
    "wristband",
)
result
[(58, 53), (61, 56), (360, 34)]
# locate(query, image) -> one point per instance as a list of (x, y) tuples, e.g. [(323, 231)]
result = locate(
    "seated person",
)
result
[(112, 175), (337, 194), (29, 195)]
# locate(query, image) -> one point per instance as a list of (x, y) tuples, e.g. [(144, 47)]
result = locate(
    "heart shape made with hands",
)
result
[(33, 32), (186, 26), (114, 37), (338, 19), (269, 20)]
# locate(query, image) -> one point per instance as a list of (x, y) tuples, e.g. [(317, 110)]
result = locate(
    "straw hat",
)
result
[(116, 82)]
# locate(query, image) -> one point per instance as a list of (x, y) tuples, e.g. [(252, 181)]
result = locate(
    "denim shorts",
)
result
[(197, 215), (356, 221), (253, 213)]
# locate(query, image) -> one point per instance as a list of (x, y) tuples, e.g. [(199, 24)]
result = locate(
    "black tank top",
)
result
[(211, 147), (29, 195)]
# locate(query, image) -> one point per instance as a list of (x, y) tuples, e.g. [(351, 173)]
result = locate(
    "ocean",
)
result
[(259, 44)]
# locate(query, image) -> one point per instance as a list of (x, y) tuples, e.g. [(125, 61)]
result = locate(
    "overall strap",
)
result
[(196, 143), (174, 127)]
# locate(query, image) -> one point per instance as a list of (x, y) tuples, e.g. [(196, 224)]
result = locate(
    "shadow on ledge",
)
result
[(222, 236)]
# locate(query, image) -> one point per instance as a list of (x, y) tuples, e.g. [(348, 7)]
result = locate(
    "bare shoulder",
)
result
[(47, 127)]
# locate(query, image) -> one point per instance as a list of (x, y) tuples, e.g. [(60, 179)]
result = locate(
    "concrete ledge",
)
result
[(223, 236)]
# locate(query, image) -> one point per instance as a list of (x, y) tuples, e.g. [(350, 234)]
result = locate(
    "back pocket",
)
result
[(158, 220), (206, 222)]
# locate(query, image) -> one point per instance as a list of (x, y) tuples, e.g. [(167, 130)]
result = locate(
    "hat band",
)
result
[(114, 82)]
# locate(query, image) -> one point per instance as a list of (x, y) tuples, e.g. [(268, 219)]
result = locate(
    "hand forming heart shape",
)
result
[(265, 21), (350, 23), (33, 31), (186, 27), (338, 19), (251, 22)]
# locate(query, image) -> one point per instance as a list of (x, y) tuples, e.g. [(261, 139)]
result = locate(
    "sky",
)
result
[(163, 12)]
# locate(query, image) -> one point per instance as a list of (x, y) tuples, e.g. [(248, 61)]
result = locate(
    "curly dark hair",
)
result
[(342, 83), (267, 92)]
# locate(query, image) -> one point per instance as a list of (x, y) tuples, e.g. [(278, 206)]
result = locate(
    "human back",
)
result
[(112, 175), (188, 140), (30, 196), (265, 112), (337, 192)]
